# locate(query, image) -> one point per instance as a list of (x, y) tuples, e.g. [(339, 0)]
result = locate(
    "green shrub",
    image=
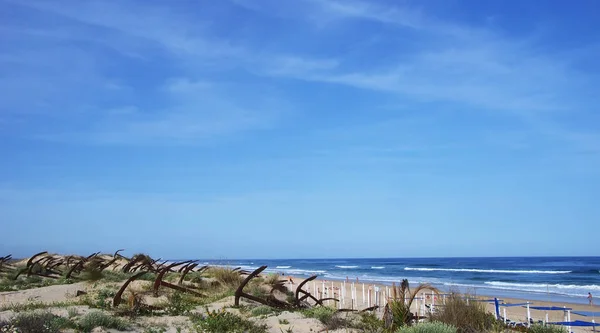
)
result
[(101, 300), (72, 312), (430, 327), (547, 329), (222, 321), (39, 322), (322, 313), (181, 304), (30, 306), (115, 276), (369, 322), (471, 317), (226, 276), (255, 289), (328, 317), (400, 313), (155, 330), (100, 319), (263, 310), (91, 273), (397, 311)]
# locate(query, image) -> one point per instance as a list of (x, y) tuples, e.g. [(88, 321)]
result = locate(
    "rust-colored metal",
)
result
[(272, 301), (300, 290), (5, 264), (161, 274), (306, 295), (93, 255), (117, 253), (180, 288), (34, 256), (133, 261), (108, 263), (373, 308), (44, 272), (239, 293), (21, 271), (78, 266), (188, 268), (182, 268), (117, 298)]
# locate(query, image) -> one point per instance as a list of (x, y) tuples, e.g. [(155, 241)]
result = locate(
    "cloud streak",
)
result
[(428, 59)]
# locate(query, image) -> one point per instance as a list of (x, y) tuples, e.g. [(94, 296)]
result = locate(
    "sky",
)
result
[(301, 128)]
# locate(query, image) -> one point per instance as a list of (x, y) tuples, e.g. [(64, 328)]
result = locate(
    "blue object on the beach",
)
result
[(587, 313), (575, 323), (497, 308), (549, 308), (513, 304)]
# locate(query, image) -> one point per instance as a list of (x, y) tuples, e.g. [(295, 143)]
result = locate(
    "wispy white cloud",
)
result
[(478, 68), (66, 69), (197, 112), (471, 67), (402, 16)]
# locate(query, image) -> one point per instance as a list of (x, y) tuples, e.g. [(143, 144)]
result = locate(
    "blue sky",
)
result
[(307, 128)]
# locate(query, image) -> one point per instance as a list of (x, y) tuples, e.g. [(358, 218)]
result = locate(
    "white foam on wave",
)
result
[(380, 278), (295, 271), (536, 288), (544, 286), (347, 267), (476, 270), (377, 267), (283, 267)]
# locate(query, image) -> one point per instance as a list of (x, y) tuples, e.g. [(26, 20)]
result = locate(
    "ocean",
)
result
[(567, 279)]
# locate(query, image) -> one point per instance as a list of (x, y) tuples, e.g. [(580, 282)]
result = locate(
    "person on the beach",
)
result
[(590, 299), (290, 279)]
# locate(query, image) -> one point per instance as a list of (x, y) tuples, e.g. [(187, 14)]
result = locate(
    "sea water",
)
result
[(567, 279)]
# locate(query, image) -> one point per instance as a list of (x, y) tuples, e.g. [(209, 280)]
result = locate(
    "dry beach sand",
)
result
[(62, 300)]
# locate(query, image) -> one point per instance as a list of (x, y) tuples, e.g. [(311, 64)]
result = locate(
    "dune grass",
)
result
[(223, 321), (226, 276), (36, 322), (100, 319), (466, 317), (428, 327)]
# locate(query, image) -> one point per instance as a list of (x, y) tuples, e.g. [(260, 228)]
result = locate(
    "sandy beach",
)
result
[(182, 304), (515, 314)]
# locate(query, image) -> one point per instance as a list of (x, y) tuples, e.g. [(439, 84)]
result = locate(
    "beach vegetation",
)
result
[(36, 322), (397, 310), (31, 306), (72, 312), (275, 282), (369, 322), (256, 288), (538, 328), (181, 304), (223, 321), (321, 313), (328, 316), (465, 316), (95, 319), (101, 299), (264, 311), (12, 283), (226, 276), (155, 330), (428, 327)]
